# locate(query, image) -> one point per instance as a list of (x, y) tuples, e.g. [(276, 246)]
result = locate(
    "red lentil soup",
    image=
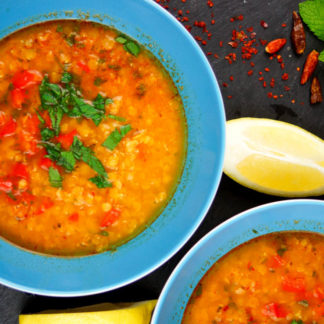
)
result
[(92, 135), (276, 278)]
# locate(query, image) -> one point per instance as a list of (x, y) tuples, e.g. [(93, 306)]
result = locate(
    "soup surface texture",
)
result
[(92, 135), (276, 278)]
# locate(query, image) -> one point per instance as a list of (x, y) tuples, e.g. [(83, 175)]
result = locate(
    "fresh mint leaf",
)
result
[(93, 162), (98, 81), (40, 118), (118, 118), (121, 39), (89, 111), (47, 134), (312, 13), (116, 136), (53, 151), (66, 78), (56, 115), (67, 160), (321, 56), (132, 48), (55, 178), (101, 182), (108, 101), (76, 148)]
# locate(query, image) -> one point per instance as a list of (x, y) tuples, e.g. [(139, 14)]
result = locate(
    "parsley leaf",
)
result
[(93, 162), (312, 13), (129, 45), (40, 118), (67, 160), (55, 178), (47, 134), (101, 182), (116, 136), (98, 81), (118, 118), (76, 148), (66, 78), (53, 151)]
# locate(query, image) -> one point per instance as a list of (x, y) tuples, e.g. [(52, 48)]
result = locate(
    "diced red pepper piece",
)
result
[(24, 79), (110, 218), (6, 185), (17, 98), (31, 124), (274, 310), (8, 128), (296, 284), (275, 261), (45, 163), (2, 118), (20, 170), (27, 197), (74, 217), (45, 205), (83, 66), (66, 140)]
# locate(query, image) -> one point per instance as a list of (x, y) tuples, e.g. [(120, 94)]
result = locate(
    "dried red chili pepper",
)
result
[(316, 91), (275, 45), (298, 37), (309, 67)]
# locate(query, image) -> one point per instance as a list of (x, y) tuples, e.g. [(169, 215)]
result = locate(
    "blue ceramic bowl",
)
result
[(168, 40), (290, 215)]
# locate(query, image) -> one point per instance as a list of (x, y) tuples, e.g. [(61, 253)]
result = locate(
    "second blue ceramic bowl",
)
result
[(290, 215), (168, 40)]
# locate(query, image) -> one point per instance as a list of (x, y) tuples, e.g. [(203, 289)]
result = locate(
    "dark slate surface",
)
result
[(249, 99)]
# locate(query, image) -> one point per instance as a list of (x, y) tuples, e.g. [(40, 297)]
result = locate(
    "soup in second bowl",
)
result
[(92, 135), (275, 278)]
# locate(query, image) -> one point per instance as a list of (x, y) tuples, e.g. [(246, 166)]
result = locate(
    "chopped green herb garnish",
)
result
[(140, 90), (255, 231), (121, 39), (104, 233), (101, 60), (281, 251), (198, 291), (55, 178), (66, 77), (47, 134), (76, 148), (118, 118), (98, 81), (88, 157), (132, 48), (101, 182), (53, 151), (296, 322), (129, 45), (11, 195), (59, 29), (116, 136), (67, 160), (40, 118), (114, 67), (70, 39), (303, 303)]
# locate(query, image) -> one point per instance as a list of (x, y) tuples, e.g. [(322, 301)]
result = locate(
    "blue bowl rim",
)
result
[(210, 236), (203, 210)]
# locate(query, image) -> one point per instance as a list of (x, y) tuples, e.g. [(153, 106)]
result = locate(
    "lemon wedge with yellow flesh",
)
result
[(274, 157), (136, 313)]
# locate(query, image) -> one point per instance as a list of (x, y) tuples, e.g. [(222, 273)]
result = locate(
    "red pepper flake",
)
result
[(232, 19), (209, 53), (282, 65), (275, 97), (183, 1), (233, 44), (266, 69), (284, 25), (264, 84), (270, 94), (185, 19), (284, 76), (204, 42), (221, 44), (250, 29), (231, 78), (188, 27), (225, 308), (272, 83), (229, 97), (293, 101), (180, 13), (210, 3), (261, 78), (250, 72), (225, 85), (240, 17), (263, 42), (270, 58), (260, 73), (188, 12), (298, 68), (286, 88), (213, 22), (264, 24), (216, 56), (198, 38), (281, 96), (252, 64)]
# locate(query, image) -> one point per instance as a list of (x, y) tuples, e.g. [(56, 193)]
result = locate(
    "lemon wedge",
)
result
[(274, 157), (123, 313)]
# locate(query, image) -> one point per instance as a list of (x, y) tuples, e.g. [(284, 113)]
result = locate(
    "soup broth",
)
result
[(92, 135)]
